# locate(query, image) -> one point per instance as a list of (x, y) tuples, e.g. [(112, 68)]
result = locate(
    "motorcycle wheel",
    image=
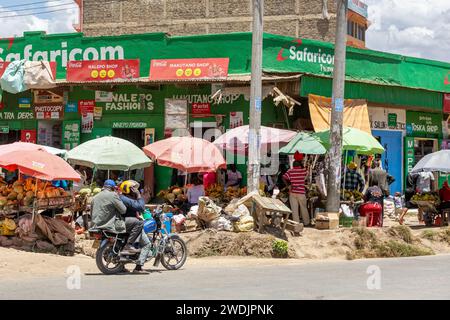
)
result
[(104, 258), (175, 254)]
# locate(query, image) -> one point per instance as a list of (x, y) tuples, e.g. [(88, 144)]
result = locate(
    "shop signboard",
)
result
[(55, 95), (28, 136), (176, 115), (86, 109), (102, 70), (421, 124), (49, 111), (4, 129), (71, 106), (409, 155), (387, 118), (103, 96), (189, 69), (446, 104), (3, 66), (129, 125), (24, 103), (358, 6), (71, 134), (201, 108), (86, 106)]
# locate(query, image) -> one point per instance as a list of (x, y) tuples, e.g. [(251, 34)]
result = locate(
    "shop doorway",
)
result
[(50, 133), (135, 136), (391, 159), (10, 137)]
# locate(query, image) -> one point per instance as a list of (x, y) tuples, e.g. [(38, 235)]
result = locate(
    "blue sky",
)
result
[(418, 28)]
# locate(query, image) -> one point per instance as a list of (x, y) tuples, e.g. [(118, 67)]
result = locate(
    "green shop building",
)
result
[(406, 97)]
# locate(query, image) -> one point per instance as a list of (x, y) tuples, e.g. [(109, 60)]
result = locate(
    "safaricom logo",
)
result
[(310, 55)]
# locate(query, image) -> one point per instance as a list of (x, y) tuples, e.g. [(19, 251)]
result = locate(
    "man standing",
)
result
[(352, 180), (107, 208), (296, 177), (379, 177)]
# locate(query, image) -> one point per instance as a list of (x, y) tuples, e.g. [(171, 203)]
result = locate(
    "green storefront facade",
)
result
[(415, 86)]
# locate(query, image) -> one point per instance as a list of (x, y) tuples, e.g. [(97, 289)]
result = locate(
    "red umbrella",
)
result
[(187, 154), (39, 164)]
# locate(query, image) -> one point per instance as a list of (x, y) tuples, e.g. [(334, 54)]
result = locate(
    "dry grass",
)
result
[(402, 233), (429, 235)]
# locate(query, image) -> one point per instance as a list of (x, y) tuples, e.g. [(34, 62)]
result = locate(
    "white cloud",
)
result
[(55, 22), (419, 28)]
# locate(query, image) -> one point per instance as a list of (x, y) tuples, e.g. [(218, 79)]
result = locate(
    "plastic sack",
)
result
[(12, 79), (193, 212), (179, 219), (38, 75), (245, 224), (221, 224), (346, 210), (241, 211), (208, 210), (389, 207)]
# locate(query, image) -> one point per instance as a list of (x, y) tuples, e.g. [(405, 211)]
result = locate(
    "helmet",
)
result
[(109, 183), (125, 187)]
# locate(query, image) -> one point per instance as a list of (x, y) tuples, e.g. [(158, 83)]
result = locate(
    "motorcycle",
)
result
[(168, 249)]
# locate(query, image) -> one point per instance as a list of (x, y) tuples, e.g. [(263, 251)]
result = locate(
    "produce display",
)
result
[(172, 194), (430, 197), (23, 192), (349, 195)]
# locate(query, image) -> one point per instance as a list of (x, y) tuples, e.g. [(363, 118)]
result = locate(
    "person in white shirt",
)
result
[(424, 179), (196, 191)]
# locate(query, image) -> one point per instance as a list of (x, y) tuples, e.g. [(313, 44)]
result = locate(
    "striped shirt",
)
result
[(297, 177)]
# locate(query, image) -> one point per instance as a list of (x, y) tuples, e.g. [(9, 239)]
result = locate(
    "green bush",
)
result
[(280, 248)]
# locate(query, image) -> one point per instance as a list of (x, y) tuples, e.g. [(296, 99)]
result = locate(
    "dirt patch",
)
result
[(220, 243)]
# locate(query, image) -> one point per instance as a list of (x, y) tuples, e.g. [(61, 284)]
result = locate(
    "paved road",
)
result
[(406, 278)]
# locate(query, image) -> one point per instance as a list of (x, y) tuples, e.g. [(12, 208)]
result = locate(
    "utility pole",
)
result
[(337, 109), (254, 134)]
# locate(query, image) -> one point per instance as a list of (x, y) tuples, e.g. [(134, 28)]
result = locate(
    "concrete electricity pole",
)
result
[(254, 134), (337, 109)]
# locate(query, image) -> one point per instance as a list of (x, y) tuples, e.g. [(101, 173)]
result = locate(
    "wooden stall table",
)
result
[(263, 207)]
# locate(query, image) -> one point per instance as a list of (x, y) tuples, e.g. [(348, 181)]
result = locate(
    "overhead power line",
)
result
[(43, 8), (29, 4), (36, 13)]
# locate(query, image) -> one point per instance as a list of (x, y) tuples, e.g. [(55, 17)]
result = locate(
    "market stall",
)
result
[(25, 201)]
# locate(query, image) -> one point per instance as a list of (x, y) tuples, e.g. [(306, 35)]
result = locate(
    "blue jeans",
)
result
[(146, 247)]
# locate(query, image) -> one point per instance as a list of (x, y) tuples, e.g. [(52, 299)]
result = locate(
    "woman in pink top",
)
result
[(209, 178)]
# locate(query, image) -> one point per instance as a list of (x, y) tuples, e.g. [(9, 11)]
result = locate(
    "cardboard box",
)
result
[(331, 223)]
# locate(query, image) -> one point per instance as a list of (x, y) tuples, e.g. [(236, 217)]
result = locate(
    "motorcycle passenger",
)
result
[(135, 204), (107, 207)]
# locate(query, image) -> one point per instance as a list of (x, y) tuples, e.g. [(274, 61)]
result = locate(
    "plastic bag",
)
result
[(179, 219), (208, 210), (346, 210), (221, 224), (38, 75), (12, 79), (241, 211)]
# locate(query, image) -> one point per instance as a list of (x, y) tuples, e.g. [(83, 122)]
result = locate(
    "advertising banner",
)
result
[(71, 134), (49, 111), (446, 104), (103, 96), (183, 69), (201, 108), (55, 95), (421, 124), (102, 70), (28, 136)]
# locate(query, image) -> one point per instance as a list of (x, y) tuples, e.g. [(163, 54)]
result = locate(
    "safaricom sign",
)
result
[(64, 54), (325, 60)]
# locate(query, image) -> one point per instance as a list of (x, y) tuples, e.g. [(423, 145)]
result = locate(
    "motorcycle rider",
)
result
[(135, 205), (107, 207)]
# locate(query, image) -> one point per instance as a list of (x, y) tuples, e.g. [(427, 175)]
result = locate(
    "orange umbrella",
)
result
[(187, 154), (39, 164)]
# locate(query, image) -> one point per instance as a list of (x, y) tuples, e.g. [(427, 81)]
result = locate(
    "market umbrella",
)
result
[(236, 139), (21, 146), (108, 153), (187, 154), (353, 139), (436, 161), (304, 143), (38, 164)]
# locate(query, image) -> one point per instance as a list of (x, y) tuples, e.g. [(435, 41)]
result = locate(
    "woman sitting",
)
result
[(374, 204)]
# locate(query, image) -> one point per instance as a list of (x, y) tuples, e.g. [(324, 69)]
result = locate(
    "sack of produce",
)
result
[(208, 210), (221, 224), (244, 224)]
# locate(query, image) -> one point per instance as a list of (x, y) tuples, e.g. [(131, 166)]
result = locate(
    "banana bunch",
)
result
[(425, 197), (214, 191), (354, 195), (232, 192)]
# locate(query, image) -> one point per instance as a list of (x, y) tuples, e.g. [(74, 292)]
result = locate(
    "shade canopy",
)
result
[(436, 161), (21, 146), (108, 153), (304, 143), (39, 164), (236, 139), (187, 154), (353, 139)]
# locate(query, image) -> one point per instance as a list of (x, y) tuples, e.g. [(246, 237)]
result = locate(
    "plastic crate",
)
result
[(346, 221)]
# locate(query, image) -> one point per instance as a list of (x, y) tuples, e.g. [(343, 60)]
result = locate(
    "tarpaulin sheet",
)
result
[(356, 114)]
